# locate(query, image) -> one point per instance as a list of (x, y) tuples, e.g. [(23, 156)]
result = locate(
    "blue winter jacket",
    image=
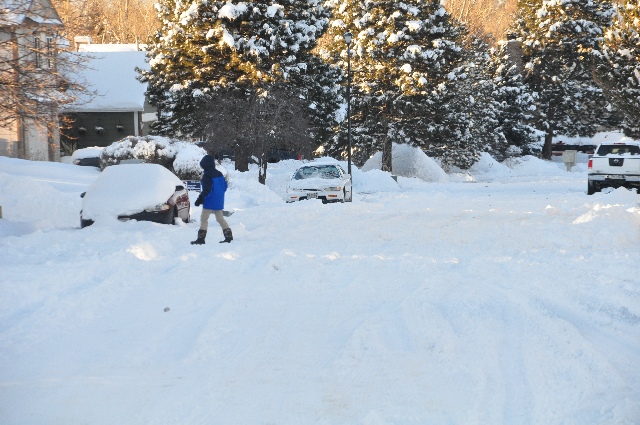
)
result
[(214, 185)]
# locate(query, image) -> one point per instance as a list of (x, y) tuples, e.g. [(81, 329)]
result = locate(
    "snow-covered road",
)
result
[(511, 299)]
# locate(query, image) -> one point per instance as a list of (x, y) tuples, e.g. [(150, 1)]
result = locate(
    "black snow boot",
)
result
[(201, 235), (228, 237)]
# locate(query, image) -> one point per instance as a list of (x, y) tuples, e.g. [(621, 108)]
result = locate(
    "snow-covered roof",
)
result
[(112, 76), (15, 12)]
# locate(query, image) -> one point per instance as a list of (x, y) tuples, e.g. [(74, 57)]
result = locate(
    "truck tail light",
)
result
[(590, 164)]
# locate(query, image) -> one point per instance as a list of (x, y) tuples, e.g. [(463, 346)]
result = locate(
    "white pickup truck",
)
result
[(614, 164)]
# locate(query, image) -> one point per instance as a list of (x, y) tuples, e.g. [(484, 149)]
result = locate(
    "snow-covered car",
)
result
[(145, 192), (614, 164), (87, 156), (328, 182)]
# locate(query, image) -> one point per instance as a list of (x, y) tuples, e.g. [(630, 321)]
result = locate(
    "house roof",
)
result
[(17, 12), (112, 78)]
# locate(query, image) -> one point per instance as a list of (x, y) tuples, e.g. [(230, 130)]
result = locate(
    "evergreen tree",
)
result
[(173, 56), (558, 38), (208, 47), (513, 101), (478, 89), (496, 101), (318, 83), (618, 66), (408, 60)]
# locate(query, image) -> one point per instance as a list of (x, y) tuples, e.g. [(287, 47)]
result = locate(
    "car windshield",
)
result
[(618, 150), (317, 171)]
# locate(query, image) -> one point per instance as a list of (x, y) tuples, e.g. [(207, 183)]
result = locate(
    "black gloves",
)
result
[(198, 202)]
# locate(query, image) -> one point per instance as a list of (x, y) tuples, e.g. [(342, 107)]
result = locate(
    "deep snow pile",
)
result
[(502, 295), (409, 161)]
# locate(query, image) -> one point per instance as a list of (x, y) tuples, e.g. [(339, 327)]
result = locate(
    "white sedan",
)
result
[(328, 182)]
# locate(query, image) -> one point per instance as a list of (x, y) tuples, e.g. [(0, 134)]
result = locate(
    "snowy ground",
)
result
[(507, 296)]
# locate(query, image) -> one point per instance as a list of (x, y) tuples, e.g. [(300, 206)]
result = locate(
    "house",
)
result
[(28, 53), (115, 106)]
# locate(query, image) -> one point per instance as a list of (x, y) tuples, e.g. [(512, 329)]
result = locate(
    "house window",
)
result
[(36, 49), (50, 53)]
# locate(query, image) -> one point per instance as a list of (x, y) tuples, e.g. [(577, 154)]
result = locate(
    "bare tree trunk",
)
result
[(262, 173), (241, 160), (387, 157), (548, 139)]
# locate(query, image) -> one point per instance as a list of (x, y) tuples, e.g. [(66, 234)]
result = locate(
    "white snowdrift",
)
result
[(409, 161)]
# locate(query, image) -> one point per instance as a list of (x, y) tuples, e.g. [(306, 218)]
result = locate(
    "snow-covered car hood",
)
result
[(127, 189), (315, 183)]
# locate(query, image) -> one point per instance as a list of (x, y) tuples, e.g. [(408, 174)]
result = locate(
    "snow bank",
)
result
[(409, 161), (532, 166), (373, 181), (41, 204), (487, 169), (246, 193), (41, 197)]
